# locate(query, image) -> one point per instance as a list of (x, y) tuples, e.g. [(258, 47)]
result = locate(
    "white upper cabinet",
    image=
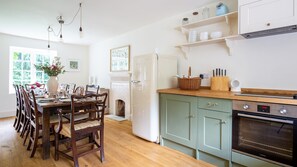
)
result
[(258, 15)]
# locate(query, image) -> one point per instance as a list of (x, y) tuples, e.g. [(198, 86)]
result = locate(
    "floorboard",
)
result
[(122, 149)]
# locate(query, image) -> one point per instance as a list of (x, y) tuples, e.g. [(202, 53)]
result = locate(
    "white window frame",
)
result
[(33, 53)]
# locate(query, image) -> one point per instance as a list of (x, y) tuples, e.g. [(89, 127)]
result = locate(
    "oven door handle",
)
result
[(266, 118)]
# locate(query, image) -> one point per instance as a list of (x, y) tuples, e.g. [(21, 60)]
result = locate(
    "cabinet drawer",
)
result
[(215, 104)]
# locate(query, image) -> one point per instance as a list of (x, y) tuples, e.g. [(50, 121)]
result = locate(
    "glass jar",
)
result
[(205, 12)]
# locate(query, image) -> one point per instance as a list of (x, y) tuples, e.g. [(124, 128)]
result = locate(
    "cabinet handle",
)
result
[(215, 104), (223, 122), (192, 116), (268, 24), (209, 104)]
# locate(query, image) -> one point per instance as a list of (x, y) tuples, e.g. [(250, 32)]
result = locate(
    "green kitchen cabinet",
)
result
[(214, 127), (178, 119)]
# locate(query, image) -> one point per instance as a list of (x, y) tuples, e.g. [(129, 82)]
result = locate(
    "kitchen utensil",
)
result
[(189, 72)]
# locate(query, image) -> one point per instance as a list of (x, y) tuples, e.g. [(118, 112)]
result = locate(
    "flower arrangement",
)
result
[(35, 85), (52, 70)]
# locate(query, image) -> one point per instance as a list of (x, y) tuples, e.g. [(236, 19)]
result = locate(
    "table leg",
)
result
[(45, 134)]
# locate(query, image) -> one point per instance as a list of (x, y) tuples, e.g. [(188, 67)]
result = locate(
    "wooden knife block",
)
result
[(219, 83)]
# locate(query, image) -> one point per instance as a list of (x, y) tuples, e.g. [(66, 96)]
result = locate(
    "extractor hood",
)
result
[(281, 30)]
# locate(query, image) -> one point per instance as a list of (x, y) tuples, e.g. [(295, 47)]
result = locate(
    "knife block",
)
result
[(219, 83)]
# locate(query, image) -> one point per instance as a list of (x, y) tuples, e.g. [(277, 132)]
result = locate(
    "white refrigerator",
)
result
[(149, 73)]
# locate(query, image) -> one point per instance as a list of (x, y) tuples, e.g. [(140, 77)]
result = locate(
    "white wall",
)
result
[(267, 62), (65, 51)]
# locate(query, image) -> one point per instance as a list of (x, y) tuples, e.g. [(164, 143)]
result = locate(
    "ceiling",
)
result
[(101, 19)]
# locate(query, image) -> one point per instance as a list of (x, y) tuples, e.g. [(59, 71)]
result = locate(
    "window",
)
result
[(22, 70)]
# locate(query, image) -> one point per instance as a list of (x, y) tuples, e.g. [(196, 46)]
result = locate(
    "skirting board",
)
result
[(7, 114)]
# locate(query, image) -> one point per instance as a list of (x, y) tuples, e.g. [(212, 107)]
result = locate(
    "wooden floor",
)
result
[(122, 149)]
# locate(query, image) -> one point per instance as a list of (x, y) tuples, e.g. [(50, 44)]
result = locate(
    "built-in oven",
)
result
[(265, 130)]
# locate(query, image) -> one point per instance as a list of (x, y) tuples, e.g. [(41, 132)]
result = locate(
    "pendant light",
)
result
[(62, 22)]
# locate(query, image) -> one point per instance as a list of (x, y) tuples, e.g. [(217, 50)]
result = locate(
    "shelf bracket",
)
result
[(229, 44), (185, 51), (227, 19), (184, 30)]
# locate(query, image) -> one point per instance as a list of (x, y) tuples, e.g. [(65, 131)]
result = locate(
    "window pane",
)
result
[(39, 76), (27, 57), (17, 65), (17, 82), (26, 82), (47, 59), (17, 75), (46, 77), (26, 66), (39, 59), (26, 75), (17, 56)]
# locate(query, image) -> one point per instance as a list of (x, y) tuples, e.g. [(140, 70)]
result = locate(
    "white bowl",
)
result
[(216, 34)]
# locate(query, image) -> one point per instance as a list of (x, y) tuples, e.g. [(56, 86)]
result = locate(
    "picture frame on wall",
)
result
[(120, 59), (73, 65)]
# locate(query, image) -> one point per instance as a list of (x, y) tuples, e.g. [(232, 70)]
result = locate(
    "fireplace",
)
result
[(120, 108), (120, 95)]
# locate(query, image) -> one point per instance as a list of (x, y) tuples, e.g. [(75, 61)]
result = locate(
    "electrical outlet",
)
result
[(204, 76)]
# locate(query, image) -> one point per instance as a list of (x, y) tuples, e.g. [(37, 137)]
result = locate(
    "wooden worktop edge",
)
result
[(226, 95)]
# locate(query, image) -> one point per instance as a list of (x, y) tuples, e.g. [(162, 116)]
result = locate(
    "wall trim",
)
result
[(7, 114)]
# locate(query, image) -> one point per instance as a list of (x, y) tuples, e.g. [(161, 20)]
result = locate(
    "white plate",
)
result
[(66, 100)]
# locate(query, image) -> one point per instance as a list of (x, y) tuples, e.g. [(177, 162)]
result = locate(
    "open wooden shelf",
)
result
[(210, 41), (209, 21)]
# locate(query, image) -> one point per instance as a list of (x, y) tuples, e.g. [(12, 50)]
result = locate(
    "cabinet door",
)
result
[(178, 119), (267, 14), (214, 133)]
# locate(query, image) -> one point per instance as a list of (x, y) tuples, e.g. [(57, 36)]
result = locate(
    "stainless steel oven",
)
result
[(265, 130)]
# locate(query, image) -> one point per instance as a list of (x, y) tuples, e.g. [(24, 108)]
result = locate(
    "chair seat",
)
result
[(54, 119), (66, 127)]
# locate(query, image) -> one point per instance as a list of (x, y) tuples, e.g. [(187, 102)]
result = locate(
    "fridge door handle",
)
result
[(134, 81)]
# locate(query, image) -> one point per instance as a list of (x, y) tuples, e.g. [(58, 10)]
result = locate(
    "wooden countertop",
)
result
[(226, 95)]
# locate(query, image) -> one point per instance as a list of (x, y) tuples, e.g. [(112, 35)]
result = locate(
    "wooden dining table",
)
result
[(48, 108)]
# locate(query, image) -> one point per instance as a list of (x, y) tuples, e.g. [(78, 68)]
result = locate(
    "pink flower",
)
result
[(32, 87), (38, 84)]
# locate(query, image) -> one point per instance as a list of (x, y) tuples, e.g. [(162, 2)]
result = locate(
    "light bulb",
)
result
[(81, 33), (61, 38)]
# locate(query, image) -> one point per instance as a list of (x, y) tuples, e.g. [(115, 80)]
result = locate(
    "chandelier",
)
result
[(62, 22)]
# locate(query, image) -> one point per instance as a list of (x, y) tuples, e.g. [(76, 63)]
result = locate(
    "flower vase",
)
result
[(52, 85)]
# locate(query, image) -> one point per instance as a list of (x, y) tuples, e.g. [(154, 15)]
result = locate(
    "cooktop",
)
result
[(267, 96)]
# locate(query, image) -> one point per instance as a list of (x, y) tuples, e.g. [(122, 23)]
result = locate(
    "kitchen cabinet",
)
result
[(214, 127), (178, 116), (262, 15), (227, 23)]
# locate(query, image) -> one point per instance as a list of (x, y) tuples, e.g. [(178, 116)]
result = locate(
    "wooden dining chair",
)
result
[(76, 130), (34, 131), (91, 89), (79, 90), (17, 120), (28, 87)]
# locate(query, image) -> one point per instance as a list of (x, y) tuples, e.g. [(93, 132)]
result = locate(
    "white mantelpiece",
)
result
[(120, 89)]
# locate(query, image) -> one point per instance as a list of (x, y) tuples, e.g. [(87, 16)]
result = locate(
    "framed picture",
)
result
[(73, 65), (120, 59)]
